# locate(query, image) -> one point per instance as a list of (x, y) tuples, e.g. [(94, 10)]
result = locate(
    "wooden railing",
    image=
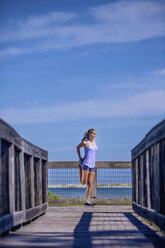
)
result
[(148, 175), (23, 179), (94, 199)]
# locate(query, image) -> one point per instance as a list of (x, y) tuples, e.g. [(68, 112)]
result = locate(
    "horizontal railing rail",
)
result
[(99, 164), (148, 176), (112, 183), (23, 179)]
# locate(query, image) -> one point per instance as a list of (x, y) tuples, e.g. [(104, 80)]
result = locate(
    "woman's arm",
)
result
[(78, 149)]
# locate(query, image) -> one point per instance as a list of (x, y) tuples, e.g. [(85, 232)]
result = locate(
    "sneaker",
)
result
[(88, 204)]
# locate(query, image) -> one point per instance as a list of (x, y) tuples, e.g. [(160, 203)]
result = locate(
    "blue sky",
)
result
[(69, 65)]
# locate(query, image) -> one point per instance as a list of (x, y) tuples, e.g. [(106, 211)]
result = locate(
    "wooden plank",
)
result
[(137, 180), (6, 222), (154, 135), (46, 181), (11, 180), (94, 186), (151, 215), (9, 134), (22, 171), (113, 164), (155, 184), (17, 170), (36, 211), (40, 181), (152, 165), (157, 176), (95, 201), (162, 176), (4, 178), (148, 180), (18, 218), (141, 181), (33, 150), (99, 164), (144, 180), (32, 181), (134, 182), (10, 220)]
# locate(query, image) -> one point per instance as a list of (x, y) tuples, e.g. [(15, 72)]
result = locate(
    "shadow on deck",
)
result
[(79, 226)]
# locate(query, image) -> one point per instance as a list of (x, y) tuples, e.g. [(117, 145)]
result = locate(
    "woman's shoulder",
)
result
[(84, 142)]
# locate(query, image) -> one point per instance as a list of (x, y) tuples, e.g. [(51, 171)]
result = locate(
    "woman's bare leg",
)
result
[(80, 174), (83, 176), (89, 185)]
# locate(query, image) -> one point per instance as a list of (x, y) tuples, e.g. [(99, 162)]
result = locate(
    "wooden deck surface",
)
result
[(86, 227)]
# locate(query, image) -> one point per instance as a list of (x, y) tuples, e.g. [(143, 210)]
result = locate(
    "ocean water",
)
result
[(102, 192), (61, 179)]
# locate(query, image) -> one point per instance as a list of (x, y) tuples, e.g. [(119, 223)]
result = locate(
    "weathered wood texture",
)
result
[(83, 227), (22, 179), (95, 201), (94, 186), (148, 167), (99, 164)]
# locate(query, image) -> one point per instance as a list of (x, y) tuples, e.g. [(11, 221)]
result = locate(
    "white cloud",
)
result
[(122, 21), (159, 72), (52, 17), (34, 27), (147, 104), (13, 51), (149, 80), (125, 10)]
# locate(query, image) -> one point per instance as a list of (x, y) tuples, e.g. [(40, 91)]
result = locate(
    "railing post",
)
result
[(141, 181), (94, 185), (32, 182), (162, 176), (46, 181), (40, 181), (148, 180), (144, 180), (133, 180), (11, 180), (157, 177), (22, 173), (137, 180), (152, 175)]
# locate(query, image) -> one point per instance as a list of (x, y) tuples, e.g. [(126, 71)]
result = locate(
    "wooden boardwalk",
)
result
[(86, 227)]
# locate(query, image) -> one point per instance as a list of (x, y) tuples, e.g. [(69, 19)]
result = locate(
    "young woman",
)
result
[(87, 164)]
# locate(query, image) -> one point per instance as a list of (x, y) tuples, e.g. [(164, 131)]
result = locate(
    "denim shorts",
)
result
[(85, 167)]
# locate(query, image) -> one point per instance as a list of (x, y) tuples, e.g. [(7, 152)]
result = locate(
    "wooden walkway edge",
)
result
[(85, 227)]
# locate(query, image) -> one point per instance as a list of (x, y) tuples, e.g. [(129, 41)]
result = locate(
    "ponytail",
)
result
[(86, 134)]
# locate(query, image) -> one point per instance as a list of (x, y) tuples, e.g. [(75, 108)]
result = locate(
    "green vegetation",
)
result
[(66, 204), (50, 195)]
